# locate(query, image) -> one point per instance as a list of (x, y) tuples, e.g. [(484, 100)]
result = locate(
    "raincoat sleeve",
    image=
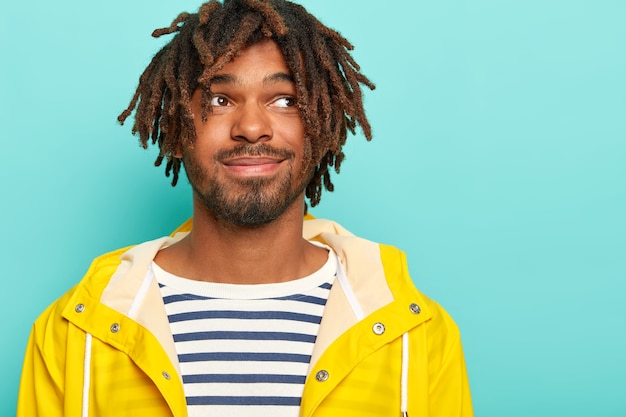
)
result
[(450, 393), (41, 390)]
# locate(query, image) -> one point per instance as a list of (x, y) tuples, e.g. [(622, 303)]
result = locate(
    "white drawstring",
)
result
[(347, 290), (86, 376), (404, 377)]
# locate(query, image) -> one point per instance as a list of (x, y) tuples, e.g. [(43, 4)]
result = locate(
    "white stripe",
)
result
[(243, 325), (219, 389), (405, 375), (86, 375), (242, 368), (225, 345), (141, 294), (243, 410), (347, 289)]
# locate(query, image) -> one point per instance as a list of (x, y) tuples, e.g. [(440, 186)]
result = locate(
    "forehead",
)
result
[(261, 58)]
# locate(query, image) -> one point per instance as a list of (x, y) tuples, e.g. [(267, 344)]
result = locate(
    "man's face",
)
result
[(246, 165)]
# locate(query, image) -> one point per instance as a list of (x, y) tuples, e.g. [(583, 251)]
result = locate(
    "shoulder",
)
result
[(51, 320), (379, 275), (404, 290)]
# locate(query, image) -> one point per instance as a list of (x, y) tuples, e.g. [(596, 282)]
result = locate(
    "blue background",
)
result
[(498, 164)]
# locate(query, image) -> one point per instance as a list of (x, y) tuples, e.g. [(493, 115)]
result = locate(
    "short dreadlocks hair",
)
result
[(327, 78)]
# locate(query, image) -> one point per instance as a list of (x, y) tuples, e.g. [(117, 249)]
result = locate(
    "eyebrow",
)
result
[(223, 79), (277, 78), (269, 79)]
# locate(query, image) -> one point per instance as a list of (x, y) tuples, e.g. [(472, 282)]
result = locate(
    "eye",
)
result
[(219, 101), (284, 102)]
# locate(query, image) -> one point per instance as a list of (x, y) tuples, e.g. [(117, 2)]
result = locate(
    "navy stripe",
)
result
[(244, 379), (246, 315), (183, 297), (304, 298), (244, 356), (243, 401), (326, 286), (297, 337)]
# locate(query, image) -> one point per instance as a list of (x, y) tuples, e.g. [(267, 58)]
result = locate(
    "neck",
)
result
[(218, 252)]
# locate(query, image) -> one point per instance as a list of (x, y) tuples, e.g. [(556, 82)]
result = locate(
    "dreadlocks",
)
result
[(326, 76)]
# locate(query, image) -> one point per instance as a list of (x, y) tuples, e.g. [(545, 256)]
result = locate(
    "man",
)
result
[(252, 311)]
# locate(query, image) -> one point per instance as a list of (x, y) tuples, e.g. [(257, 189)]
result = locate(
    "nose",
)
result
[(252, 124)]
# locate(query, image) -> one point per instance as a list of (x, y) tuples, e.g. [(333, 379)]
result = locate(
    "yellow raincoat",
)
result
[(105, 349)]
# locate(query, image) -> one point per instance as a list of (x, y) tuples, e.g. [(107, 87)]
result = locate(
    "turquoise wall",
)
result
[(498, 164)]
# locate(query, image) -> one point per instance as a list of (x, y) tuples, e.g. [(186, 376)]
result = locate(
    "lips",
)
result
[(251, 161), (248, 166)]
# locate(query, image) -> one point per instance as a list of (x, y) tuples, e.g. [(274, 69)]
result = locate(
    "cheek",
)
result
[(302, 149), (210, 137), (293, 133), (205, 132)]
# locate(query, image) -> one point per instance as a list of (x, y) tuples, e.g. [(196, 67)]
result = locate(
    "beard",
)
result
[(248, 202)]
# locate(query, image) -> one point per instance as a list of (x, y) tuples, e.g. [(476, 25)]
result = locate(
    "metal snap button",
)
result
[(378, 328), (322, 376), (415, 309), (166, 375), (115, 328), (79, 308)]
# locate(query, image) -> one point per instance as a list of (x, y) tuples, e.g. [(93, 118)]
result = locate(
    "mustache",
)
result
[(254, 149)]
